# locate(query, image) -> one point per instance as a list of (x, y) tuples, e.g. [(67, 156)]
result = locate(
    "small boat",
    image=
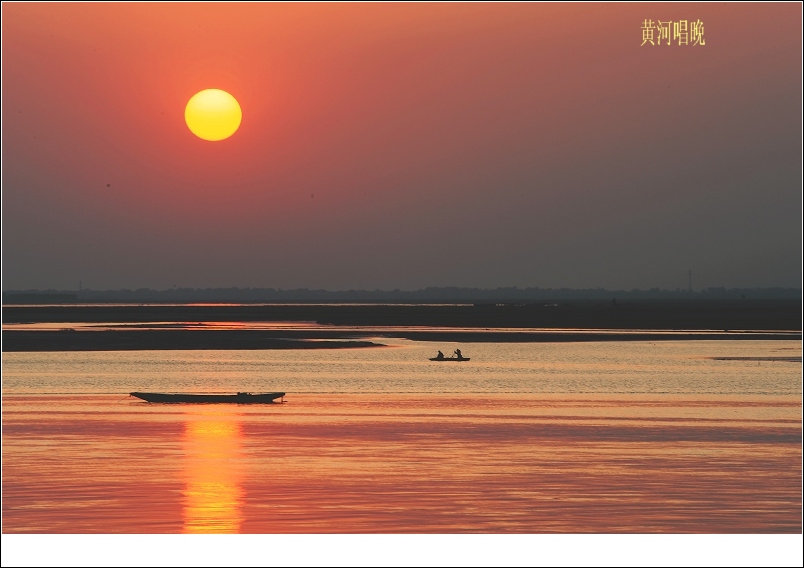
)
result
[(239, 398), (450, 358)]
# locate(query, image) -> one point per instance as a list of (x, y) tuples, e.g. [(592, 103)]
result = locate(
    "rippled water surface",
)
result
[(602, 437), (680, 367)]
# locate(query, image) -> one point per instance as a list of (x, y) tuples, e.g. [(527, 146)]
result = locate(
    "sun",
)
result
[(213, 115)]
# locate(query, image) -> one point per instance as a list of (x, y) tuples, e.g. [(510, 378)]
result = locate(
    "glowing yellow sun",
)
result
[(213, 115)]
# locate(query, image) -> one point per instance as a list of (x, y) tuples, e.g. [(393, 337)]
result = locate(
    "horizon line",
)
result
[(441, 289)]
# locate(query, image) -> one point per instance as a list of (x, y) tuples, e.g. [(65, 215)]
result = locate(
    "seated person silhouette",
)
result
[(440, 355), (458, 354)]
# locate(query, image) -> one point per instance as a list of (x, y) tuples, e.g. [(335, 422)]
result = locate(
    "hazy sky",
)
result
[(402, 146)]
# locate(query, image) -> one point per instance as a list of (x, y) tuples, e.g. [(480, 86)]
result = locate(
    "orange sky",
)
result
[(401, 146)]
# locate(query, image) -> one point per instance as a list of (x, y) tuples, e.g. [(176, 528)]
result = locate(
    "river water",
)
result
[(599, 437)]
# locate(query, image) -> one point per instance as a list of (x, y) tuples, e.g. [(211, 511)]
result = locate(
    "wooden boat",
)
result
[(239, 398), (450, 359)]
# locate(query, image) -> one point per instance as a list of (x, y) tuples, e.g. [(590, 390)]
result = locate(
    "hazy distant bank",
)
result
[(425, 295), (589, 314)]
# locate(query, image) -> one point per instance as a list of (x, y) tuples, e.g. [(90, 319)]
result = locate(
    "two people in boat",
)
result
[(457, 354)]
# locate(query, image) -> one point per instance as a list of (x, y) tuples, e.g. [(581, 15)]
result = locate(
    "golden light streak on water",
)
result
[(213, 495)]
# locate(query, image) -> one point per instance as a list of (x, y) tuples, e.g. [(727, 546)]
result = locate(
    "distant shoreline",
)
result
[(32, 341), (343, 326), (147, 340)]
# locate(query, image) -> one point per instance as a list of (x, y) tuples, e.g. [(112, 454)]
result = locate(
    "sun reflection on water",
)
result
[(213, 494)]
